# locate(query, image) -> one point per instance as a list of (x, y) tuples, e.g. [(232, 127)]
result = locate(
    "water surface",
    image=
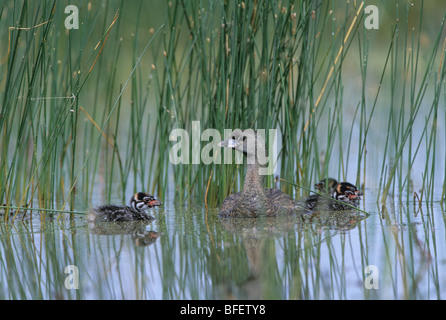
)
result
[(188, 253)]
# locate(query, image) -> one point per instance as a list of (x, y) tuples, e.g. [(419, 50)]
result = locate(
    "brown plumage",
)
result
[(326, 186), (254, 200)]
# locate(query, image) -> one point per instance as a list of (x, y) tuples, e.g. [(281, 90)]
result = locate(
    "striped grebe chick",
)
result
[(324, 186), (345, 192), (139, 203)]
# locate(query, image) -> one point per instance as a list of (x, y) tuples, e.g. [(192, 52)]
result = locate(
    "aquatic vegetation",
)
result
[(86, 117), (71, 117)]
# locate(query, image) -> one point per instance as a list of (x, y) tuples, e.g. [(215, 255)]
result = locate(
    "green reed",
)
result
[(83, 110), (86, 117), (44, 108), (400, 126), (252, 65)]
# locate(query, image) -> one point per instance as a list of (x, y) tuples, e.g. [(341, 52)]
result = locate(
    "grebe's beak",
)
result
[(152, 202), (155, 202), (355, 195)]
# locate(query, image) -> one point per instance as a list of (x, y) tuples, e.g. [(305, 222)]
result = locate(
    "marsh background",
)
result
[(86, 115)]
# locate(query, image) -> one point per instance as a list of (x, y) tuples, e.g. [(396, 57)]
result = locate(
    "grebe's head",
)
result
[(142, 201), (248, 142), (346, 191)]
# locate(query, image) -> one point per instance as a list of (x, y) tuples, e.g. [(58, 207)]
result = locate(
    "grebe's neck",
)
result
[(254, 182)]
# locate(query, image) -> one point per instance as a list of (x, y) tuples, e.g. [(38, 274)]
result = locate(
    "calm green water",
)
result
[(188, 253)]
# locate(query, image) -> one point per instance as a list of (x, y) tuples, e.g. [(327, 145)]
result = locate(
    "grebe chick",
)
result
[(345, 192), (325, 186), (136, 211)]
